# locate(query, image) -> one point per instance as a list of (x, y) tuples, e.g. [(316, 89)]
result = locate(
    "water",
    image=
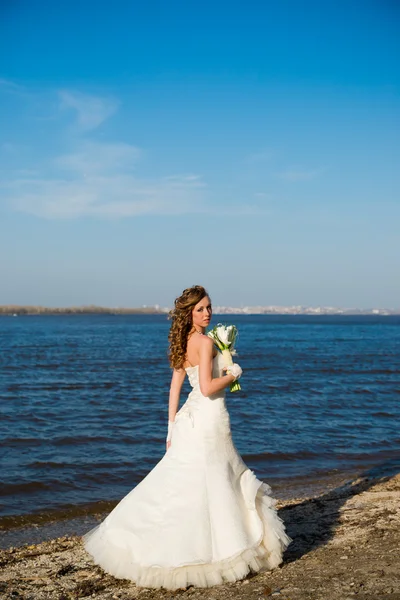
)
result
[(84, 402)]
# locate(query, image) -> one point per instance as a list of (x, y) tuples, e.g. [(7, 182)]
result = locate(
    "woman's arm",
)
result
[(208, 384), (178, 376)]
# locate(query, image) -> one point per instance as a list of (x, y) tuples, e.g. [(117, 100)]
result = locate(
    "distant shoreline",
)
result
[(11, 310), (75, 310)]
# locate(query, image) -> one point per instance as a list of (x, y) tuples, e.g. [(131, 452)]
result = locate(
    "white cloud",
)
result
[(92, 110), (96, 178), (114, 196), (102, 179), (99, 180), (10, 86), (72, 193), (92, 157), (260, 157), (300, 174)]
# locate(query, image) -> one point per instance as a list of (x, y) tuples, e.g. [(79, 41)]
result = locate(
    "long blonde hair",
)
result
[(182, 322)]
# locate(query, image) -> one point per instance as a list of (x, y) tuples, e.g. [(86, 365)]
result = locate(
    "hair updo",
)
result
[(182, 322)]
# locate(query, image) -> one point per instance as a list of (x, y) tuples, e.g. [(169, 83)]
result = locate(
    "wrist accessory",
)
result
[(235, 370), (170, 427)]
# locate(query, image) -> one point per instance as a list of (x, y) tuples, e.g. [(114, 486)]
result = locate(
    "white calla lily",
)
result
[(224, 336)]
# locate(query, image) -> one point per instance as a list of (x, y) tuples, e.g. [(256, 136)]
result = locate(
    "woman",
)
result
[(200, 517)]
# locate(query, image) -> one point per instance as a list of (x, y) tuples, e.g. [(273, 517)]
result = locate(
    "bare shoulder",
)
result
[(206, 341), (201, 341), (206, 346)]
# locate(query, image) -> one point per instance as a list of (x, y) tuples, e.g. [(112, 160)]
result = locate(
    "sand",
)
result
[(346, 545)]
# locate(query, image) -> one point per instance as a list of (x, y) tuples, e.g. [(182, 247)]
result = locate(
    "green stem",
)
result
[(235, 386)]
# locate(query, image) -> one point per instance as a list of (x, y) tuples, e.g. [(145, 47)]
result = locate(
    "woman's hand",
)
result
[(168, 445), (235, 369)]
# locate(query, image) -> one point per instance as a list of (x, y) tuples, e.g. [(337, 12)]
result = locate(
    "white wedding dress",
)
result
[(200, 517)]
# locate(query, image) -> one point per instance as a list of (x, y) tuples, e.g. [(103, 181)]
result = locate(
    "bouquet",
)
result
[(224, 336)]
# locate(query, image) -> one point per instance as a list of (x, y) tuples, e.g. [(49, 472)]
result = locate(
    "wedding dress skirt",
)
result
[(200, 517)]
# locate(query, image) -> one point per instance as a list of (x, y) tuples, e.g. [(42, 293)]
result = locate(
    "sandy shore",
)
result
[(346, 545)]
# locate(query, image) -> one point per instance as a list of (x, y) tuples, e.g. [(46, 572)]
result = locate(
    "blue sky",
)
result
[(250, 147)]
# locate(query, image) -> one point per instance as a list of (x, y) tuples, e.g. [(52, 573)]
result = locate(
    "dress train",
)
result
[(200, 517)]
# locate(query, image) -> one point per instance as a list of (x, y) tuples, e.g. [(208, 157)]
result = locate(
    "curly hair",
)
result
[(181, 317)]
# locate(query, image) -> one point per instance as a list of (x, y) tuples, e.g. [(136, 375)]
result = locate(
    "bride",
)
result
[(200, 517)]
